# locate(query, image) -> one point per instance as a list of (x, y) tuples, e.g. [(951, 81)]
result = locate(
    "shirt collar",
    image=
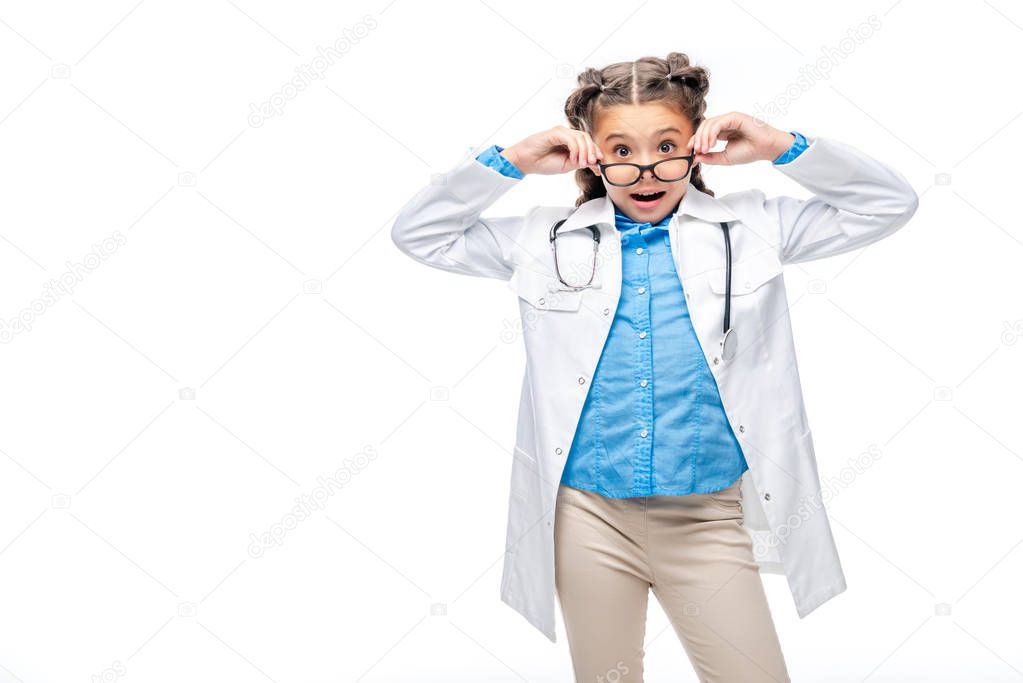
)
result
[(623, 222)]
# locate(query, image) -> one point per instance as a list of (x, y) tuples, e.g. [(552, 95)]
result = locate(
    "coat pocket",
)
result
[(544, 292), (748, 275)]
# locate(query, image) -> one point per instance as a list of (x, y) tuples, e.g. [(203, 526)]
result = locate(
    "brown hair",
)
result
[(673, 81)]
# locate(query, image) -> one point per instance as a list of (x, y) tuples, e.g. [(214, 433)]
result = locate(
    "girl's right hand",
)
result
[(554, 151)]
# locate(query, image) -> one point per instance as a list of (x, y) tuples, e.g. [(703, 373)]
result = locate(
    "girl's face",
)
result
[(643, 134)]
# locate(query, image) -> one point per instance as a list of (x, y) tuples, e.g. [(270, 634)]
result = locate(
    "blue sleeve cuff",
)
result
[(492, 157), (794, 151)]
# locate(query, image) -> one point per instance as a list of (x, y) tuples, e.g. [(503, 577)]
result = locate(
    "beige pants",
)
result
[(696, 556)]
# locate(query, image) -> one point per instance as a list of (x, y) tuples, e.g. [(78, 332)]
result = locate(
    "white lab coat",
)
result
[(857, 200)]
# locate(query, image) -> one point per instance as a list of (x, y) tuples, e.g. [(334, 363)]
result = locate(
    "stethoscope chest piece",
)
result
[(729, 344)]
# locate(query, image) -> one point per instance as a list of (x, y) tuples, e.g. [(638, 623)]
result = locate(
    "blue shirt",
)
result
[(653, 422)]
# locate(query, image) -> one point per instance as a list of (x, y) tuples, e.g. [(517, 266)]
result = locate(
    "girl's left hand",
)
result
[(747, 139)]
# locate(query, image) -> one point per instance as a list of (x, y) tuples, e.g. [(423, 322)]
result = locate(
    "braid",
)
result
[(580, 107), (580, 104)]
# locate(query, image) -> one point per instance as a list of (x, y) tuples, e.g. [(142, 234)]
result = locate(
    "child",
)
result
[(662, 441)]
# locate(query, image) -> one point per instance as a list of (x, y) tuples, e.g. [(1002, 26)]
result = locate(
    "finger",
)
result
[(577, 154), (698, 137), (569, 141), (579, 151), (589, 150), (593, 150), (721, 124), (714, 158), (705, 134), (728, 122), (713, 135), (559, 138), (713, 129), (599, 153), (585, 149)]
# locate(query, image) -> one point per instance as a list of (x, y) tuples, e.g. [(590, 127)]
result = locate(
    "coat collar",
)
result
[(694, 203)]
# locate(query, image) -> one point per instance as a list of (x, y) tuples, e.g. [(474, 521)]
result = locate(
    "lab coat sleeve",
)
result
[(857, 200), (441, 226)]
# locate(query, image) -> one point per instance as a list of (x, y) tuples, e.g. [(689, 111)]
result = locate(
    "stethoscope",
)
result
[(729, 342)]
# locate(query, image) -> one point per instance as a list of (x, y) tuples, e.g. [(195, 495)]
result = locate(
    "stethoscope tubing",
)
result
[(728, 335)]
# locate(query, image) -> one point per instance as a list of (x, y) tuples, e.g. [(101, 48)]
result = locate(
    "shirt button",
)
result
[(607, 311), (642, 335), (582, 380), (767, 496), (741, 428), (639, 250), (558, 450), (641, 290), (643, 433), (642, 382)]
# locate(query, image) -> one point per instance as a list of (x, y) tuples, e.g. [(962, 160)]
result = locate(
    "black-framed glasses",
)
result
[(670, 170)]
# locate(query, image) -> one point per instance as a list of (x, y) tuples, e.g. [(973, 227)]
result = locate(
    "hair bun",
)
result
[(677, 61), (679, 69), (592, 78), (695, 77)]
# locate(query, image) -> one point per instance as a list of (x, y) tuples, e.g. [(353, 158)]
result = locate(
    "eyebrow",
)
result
[(669, 129)]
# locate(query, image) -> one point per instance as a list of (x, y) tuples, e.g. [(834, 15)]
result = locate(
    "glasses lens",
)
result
[(621, 174), (672, 169)]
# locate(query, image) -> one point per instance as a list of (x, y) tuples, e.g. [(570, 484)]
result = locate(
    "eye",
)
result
[(620, 147), (670, 145)]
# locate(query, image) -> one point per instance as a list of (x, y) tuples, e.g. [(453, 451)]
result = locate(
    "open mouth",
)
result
[(646, 199)]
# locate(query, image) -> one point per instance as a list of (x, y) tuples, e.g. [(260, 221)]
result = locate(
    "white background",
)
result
[(251, 331)]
